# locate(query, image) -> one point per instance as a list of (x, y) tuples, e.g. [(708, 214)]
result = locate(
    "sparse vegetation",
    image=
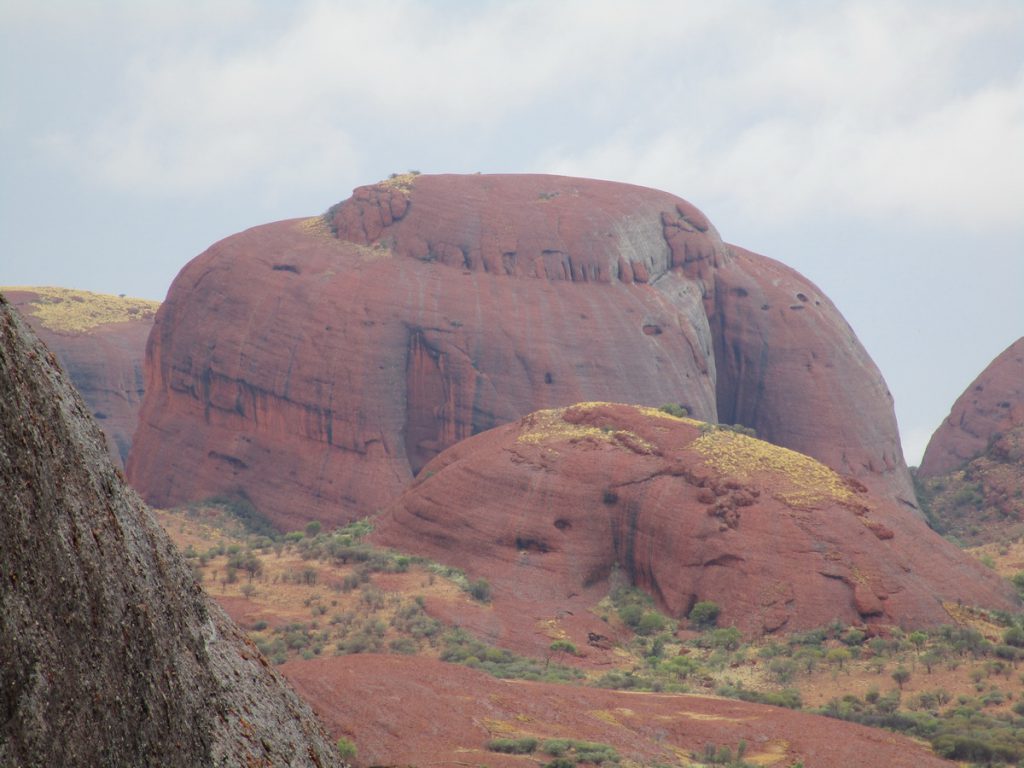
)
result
[(674, 409), (704, 614), (346, 749), (64, 309), (345, 609)]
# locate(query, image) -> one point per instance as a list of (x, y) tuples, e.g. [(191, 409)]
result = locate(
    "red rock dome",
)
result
[(546, 507), (314, 366), (992, 404)]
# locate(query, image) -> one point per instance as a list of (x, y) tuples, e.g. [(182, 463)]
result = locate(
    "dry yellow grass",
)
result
[(315, 226), (400, 181), (65, 309), (551, 426), (810, 482)]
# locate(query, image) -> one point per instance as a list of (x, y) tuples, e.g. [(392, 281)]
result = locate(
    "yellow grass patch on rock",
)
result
[(550, 426), (69, 310), (740, 456)]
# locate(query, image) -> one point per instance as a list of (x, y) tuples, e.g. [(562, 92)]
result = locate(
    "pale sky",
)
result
[(877, 147)]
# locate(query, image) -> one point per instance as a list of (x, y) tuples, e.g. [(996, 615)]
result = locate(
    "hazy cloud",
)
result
[(865, 107)]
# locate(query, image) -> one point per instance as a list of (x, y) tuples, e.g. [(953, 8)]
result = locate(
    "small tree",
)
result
[(918, 638), (901, 675), (312, 528), (930, 659), (562, 647), (838, 657)]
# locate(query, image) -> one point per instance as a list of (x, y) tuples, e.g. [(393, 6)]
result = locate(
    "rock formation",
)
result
[(992, 404), (111, 653), (547, 507), (100, 342), (972, 473), (314, 366)]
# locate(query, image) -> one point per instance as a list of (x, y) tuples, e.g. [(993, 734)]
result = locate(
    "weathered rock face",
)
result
[(991, 405), (972, 473), (546, 507), (315, 366), (111, 653), (101, 343)]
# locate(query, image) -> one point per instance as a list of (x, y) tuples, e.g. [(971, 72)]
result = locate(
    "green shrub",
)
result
[(563, 646), (650, 623), (674, 409), (631, 614), (580, 751), (1014, 636), (480, 590), (522, 746), (704, 614), (726, 638), (346, 749)]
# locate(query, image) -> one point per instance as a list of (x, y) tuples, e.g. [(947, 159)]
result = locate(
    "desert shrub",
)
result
[(580, 751), (651, 622), (783, 670), (522, 746), (852, 637), (631, 615), (480, 590), (1014, 636), (704, 614), (346, 749), (726, 638), (563, 646), (788, 697), (715, 755), (1018, 582), (975, 750), (674, 409), (404, 645), (838, 656), (413, 620), (459, 647)]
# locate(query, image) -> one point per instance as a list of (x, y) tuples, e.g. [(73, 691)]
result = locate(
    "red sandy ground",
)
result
[(417, 711)]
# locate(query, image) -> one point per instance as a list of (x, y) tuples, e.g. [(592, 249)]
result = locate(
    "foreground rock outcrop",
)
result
[(101, 343), (111, 654), (313, 367), (546, 508), (972, 473)]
